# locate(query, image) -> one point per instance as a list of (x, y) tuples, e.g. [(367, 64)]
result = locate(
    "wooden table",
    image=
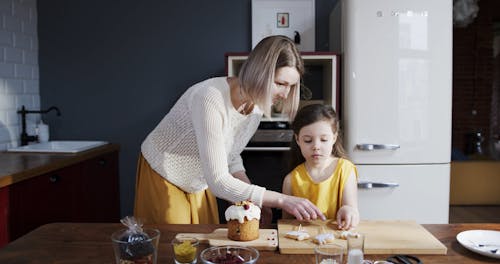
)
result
[(90, 243)]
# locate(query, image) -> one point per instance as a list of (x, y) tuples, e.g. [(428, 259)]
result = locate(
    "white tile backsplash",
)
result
[(13, 55), (6, 7), (12, 23), (22, 41), (30, 57), (14, 86), (6, 38), (23, 71), (19, 81), (7, 70)]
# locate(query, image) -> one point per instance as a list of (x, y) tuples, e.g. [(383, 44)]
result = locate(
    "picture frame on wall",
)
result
[(292, 18)]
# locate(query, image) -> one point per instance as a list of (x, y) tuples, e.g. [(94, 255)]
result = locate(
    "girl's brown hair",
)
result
[(311, 114), (256, 76)]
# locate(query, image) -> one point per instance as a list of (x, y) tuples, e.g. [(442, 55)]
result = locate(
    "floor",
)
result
[(474, 214)]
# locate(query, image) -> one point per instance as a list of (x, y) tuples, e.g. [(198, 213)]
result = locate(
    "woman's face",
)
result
[(284, 79)]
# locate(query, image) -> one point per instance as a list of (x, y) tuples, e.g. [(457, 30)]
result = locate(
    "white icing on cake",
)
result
[(238, 212)]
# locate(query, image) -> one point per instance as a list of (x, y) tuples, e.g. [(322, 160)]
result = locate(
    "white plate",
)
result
[(472, 238)]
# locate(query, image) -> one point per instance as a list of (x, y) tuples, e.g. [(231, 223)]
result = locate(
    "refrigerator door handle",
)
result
[(371, 185), (370, 147)]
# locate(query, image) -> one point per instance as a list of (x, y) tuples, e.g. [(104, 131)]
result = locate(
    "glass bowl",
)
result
[(229, 255)]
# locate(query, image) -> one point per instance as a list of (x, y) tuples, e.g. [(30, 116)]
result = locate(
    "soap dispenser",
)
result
[(43, 132)]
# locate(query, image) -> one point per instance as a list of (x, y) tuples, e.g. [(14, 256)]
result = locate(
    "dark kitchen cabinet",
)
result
[(99, 189), (4, 210), (43, 199), (87, 191)]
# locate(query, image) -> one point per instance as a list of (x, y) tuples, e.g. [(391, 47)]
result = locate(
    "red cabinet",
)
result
[(4, 216), (87, 191)]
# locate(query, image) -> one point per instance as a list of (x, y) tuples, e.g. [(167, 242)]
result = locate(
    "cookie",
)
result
[(346, 233), (297, 235), (325, 238)]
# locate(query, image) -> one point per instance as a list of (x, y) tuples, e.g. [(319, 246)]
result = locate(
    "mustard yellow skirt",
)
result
[(157, 201)]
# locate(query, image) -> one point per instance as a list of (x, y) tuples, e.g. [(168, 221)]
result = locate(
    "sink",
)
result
[(63, 146)]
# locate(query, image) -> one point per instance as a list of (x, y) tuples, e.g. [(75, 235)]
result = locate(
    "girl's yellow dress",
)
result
[(326, 195)]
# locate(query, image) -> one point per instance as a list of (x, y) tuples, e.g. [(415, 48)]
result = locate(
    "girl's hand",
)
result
[(301, 208), (347, 217)]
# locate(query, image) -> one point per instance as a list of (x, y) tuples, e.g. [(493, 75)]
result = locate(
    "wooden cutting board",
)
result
[(381, 237), (268, 239)]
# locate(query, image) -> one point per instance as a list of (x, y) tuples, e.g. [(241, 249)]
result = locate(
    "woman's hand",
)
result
[(347, 217), (301, 208)]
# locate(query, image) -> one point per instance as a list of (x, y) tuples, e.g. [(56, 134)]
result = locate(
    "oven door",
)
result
[(267, 166), (270, 140)]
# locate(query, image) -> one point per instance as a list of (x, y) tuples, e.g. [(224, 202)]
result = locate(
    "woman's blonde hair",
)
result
[(256, 76)]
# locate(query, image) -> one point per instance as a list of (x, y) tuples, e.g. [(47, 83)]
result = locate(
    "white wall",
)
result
[(19, 81)]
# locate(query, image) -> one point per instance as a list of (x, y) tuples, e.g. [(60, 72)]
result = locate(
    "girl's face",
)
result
[(316, 141), (284, 79)]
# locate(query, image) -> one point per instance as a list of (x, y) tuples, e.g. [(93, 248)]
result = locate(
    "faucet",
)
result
[(25, 138)]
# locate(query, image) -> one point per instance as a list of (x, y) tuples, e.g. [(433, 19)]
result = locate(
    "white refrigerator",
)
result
[(396, 104)]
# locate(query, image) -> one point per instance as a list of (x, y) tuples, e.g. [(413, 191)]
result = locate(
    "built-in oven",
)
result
[(271, 136)]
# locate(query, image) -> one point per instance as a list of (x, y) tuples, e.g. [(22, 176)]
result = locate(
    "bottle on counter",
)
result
[(43, 132)]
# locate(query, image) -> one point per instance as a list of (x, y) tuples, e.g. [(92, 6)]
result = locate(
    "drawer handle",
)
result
[(102, 162), (370, 147), (371, 185), (54, 178)]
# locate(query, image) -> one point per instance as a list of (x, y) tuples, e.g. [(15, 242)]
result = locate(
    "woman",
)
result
[(194, 152)]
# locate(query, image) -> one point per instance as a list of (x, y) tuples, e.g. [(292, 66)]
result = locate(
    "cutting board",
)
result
[(381, 237), (268, 239)]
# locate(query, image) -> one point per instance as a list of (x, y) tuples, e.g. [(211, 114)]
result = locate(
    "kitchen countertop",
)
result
[(18, 166), (90, 243)]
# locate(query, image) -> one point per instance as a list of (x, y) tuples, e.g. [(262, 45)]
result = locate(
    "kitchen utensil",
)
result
[(404, 259), (491, 247), (381, 237), (268, 239)]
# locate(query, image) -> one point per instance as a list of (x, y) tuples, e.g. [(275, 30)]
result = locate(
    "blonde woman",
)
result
[(193, 155)]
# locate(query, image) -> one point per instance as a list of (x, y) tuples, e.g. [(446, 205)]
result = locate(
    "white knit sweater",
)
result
[(198, 143)]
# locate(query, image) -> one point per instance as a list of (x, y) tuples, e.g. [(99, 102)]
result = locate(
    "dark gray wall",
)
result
[(115, 68)]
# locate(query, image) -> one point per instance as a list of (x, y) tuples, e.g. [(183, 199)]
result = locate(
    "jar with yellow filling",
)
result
[(185, 251)]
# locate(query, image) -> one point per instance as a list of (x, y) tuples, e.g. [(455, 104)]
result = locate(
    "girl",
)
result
[(321, 171), (193, 154)]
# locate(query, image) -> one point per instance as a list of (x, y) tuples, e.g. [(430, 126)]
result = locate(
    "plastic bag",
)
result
[(136, 243)]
